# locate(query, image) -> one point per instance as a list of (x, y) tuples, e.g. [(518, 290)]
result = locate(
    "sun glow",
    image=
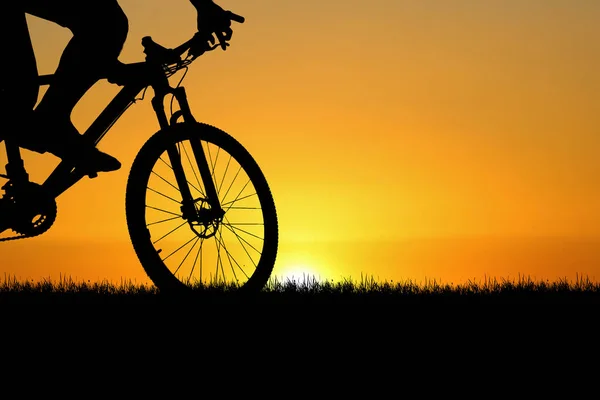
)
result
[(299, 273)]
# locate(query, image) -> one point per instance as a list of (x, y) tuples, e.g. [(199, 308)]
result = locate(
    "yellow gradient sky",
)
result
[(403, 139)]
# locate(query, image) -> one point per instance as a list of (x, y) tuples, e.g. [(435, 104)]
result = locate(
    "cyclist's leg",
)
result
[(99, 30), (18, 69)]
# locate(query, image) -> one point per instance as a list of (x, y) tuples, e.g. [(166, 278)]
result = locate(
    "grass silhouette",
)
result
[(311, 290)]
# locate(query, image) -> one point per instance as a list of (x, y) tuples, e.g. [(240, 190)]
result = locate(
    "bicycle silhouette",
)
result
[(199, 210)]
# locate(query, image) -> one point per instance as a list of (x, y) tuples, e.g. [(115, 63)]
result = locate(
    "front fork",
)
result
[(188, 207)]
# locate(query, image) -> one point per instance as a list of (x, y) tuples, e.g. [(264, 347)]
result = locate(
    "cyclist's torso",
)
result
[(67, 13)]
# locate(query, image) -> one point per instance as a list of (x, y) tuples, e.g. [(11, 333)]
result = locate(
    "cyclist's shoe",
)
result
[(64, 141), (90, 160), (75, 149)]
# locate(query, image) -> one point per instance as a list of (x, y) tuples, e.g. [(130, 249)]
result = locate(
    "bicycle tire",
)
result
[(138, 194)]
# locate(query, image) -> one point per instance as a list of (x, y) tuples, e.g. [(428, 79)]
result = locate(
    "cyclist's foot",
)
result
[(64, 141), (83, 155), (90, 160)]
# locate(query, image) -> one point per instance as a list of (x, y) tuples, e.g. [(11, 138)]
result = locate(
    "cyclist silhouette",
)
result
[(99, 30)]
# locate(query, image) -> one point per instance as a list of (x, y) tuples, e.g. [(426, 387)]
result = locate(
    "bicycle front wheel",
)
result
[(235, 251)]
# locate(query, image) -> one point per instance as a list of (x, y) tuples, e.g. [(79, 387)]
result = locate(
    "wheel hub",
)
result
[(206, 221)]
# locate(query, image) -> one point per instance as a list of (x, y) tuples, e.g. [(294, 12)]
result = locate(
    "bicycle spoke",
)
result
[(228, 255), (245, 241), (247, 223), (187, 254), (194, 172), (189, 183), (164, 195), (214, 164), (209, 160), (236, 263), (198, 255), (166, 163), (219, 260), (232, 182), (241, 198), (224, 175), (240, 239), (164, 220), (168, 183), (240, 192), (179, 248), (231, 227), (170, 232), (164, 211)]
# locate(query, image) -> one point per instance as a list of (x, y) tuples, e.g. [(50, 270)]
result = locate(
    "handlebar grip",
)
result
[(235, 17)]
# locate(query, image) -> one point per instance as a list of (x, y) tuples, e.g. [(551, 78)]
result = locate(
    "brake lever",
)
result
[(197, 51)]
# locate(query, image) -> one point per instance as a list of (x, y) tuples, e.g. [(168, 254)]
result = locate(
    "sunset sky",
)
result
[(402, 139)]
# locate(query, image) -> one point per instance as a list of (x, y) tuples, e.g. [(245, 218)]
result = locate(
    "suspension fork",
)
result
[(188, 203)]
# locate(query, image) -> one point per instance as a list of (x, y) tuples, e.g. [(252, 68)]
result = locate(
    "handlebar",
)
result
[(162, 55), (235, 17), (169, 60)]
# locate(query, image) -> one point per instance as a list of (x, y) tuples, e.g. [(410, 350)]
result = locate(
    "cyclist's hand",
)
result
[(214, 24)]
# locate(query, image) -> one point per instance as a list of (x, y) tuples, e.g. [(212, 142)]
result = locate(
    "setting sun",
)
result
[(299, 273)]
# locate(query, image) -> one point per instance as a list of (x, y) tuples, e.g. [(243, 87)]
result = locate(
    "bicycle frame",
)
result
[(139, 77)]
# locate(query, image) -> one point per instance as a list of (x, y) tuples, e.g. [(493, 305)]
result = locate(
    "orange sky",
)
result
[(446, 139)]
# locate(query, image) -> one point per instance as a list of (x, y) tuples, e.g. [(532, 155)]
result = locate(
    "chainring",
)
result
[(27, 209)]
